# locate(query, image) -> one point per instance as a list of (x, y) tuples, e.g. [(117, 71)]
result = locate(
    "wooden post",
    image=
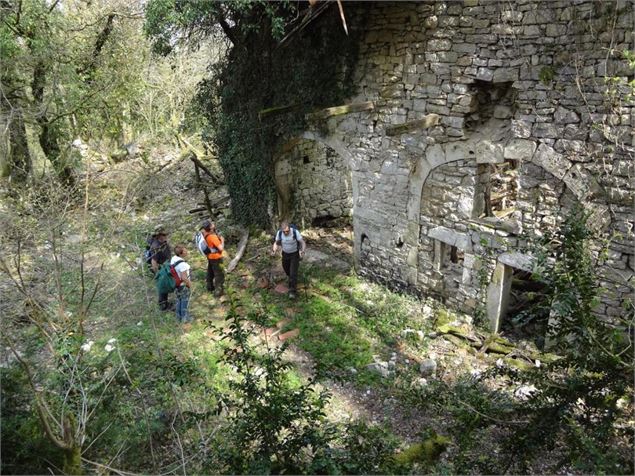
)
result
[(208, 204)]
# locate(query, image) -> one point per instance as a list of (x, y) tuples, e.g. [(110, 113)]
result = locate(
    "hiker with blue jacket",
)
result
[(289, 239)]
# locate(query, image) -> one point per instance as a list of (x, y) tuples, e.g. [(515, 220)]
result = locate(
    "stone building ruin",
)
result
[(477, 123)]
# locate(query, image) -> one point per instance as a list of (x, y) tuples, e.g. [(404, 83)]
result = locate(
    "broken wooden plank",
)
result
[(430, 120), (242, 244), (344, 109)]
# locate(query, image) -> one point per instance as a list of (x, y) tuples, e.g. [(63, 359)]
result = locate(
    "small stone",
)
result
[(428, 367), (419, 383), (379, 367)]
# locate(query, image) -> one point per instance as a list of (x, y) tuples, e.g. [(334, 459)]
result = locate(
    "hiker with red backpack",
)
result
[(293, 246), (174, 276), (182, 283)]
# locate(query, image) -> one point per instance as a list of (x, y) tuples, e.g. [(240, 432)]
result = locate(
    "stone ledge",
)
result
[(517, 260), (451, 237)]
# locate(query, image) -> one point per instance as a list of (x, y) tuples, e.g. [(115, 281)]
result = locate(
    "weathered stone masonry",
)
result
[(482, 122)]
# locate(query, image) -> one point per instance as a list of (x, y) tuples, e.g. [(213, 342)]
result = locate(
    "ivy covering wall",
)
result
[(262, 91)]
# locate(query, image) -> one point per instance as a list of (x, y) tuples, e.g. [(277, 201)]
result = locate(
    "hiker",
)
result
[(289, 239), (216, 244), (160, 252), (184, 290)]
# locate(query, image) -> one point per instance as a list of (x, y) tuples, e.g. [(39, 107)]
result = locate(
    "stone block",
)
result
[(484, 74), (582, 183), (521, 128), (502, 75), (520, 149), (502, 112), (431, 22), (439, 45), (498, 295), (517, 260), (545, 130), (488, 152), (565, 116)]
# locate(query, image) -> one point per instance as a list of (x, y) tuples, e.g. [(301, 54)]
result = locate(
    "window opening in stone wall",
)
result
[(527, 310), (503, 189), (456, 255), (489, 100), (496, 190), (447, 256)]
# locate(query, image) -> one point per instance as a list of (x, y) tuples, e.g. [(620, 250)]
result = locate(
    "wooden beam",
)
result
[(242, 244), (344, 109), (276, 111), (430, 120)]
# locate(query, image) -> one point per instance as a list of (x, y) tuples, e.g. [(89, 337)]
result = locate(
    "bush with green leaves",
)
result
[(274, 425), (574, 411)]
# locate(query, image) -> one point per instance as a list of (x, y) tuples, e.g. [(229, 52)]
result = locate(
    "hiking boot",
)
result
[(218, 292)]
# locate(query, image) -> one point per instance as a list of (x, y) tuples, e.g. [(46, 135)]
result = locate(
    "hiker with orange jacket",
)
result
[(216, 244)]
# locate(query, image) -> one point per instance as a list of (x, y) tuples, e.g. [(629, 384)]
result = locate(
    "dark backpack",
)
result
[(147, 254), (294, 231), (167, 278)]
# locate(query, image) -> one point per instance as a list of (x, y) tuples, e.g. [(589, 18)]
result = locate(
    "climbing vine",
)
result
[(262, 92)]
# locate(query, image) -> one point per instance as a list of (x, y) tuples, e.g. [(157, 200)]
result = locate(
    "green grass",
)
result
[(157, 370)]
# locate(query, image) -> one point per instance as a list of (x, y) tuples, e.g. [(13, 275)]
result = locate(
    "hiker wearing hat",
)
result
[(215, 245), (160, 252)]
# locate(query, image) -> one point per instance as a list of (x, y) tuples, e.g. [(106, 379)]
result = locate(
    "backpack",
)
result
[(167, 278), (201, 243), (294, 231), (202, 246), (147, 254)]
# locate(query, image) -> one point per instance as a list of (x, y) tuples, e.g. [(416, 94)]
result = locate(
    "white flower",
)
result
[(112, 341), (140, 323), (109, 348), (476, 373), (500, 363), (87, 346), (538, 363)]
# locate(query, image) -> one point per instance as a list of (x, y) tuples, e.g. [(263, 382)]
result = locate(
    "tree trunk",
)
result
[(49, 133), (18, 161), (73, 460)]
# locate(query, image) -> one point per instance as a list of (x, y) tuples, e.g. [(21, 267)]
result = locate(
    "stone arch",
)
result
[(294, 161), (574, 177), (433, 157)]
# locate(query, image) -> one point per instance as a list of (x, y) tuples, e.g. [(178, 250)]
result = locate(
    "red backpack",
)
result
[(175, 275)]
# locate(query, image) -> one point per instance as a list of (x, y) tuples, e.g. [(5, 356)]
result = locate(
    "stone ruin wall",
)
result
[(517, 83), (313, 182)]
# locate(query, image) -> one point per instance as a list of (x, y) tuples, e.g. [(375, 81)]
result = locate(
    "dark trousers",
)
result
[(215, 275), (290, 264), (163, 301)]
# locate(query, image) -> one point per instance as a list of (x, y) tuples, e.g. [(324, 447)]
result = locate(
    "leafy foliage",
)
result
[(572, 410), (274, 426)]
